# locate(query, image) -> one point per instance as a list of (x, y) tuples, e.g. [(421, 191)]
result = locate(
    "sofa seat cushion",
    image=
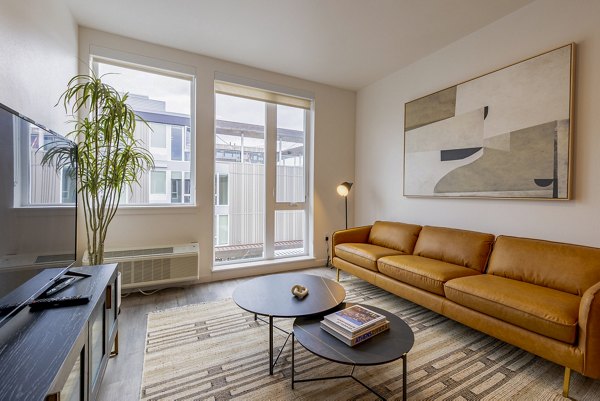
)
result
[(543, 310), (364, 255), (424, 273)]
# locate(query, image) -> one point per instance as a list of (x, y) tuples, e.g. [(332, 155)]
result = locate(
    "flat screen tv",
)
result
[(38, 210)]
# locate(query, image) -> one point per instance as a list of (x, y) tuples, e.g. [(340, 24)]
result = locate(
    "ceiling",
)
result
[(345, 43)]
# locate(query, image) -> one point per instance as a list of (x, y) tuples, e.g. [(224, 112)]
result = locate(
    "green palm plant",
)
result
[(104, 150)]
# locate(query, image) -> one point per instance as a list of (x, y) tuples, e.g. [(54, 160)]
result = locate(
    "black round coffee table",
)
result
[(271, 296), (385, 347)]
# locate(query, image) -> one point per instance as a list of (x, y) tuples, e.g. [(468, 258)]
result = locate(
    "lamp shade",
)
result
[(344, 188)]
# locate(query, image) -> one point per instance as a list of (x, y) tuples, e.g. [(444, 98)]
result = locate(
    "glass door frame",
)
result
[(271, 206)]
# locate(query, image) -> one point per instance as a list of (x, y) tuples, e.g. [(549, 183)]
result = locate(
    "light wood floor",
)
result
[(123, 377)]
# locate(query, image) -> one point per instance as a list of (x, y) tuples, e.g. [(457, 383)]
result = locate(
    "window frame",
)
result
[(121, 59), (270, 158)]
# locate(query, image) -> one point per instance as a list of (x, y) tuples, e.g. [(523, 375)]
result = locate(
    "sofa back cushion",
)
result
[(565, 267), (464, 248), (399, 236)]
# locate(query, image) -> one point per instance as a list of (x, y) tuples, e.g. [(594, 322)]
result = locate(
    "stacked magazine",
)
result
[(355, 324)]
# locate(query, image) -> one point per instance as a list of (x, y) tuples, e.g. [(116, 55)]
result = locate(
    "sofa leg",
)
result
[(337, 274), (566, 382)]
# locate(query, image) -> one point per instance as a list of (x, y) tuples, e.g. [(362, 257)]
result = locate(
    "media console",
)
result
[(61, 353)]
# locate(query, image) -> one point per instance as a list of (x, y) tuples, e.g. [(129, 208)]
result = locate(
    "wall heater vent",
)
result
[(144, 267)]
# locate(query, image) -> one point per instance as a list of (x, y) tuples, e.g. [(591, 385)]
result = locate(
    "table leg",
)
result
[(272, 359), (271, 345), (404, 377), (292, 360)]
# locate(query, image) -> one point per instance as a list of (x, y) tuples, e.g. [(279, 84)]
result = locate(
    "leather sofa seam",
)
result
[(361, 256), (416, 274)]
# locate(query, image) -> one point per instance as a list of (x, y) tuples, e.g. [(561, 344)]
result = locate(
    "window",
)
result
[(164, 99), (222, 229), (158, 182), (290, 154), (180, 187), (158, 135), (36, 184), (48, 138), (187, 147), (176, 143), (187, 197), (261, 142), (176, 187), (222, 191), (34, 138), (68, 185)]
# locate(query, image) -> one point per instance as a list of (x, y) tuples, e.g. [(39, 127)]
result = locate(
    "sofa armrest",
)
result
[(589, 331), (354, 235)]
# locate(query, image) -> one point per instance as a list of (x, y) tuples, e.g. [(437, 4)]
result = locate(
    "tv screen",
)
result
[(38, 211)]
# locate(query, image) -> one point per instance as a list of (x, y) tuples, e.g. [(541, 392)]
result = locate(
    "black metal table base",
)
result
[(271, 326), (350, 376), (269, 297)]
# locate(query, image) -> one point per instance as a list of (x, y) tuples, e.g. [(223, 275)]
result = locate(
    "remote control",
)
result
[(7, 307), (65, 282), (45, 303)]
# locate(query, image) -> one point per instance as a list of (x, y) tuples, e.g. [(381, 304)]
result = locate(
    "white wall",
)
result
[(533, 29), (38, 56), (38, 44), (334, 129)]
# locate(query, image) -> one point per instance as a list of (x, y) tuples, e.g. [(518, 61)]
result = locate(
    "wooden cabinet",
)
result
[(61, 354)]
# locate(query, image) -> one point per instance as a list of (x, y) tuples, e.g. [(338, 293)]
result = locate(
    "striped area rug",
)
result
[(216, 351)]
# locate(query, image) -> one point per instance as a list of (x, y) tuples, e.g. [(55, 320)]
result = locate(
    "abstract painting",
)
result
[(506, 134)]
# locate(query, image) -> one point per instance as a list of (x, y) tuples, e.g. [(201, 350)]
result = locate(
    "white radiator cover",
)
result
[(146, 267)]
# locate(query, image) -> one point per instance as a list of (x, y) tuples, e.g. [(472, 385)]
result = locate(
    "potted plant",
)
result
[(104, 150)]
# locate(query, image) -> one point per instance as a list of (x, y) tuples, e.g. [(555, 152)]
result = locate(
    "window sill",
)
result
[(298, 262), (157, 209), (53, 210)]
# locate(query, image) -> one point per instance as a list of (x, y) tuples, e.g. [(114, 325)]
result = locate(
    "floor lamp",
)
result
[(343, 190)]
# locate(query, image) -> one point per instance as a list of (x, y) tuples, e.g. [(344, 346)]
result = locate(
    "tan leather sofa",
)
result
[(541, 296)]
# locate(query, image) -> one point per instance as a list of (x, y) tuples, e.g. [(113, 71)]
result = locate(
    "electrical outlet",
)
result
[(326, 236)]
